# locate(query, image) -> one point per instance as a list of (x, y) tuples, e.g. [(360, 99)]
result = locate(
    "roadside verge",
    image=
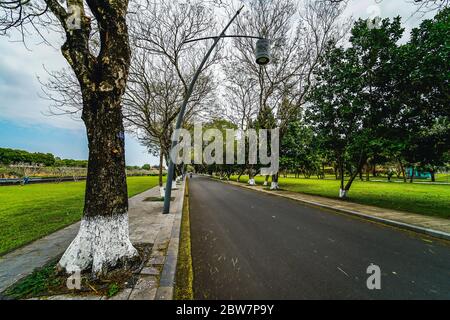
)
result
[(184, 274), (166, 289)]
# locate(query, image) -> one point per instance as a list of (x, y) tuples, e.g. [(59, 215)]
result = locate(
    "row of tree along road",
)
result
[(372, 102)]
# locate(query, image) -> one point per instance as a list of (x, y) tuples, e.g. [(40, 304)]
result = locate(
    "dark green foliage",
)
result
[(12, 156), (71, 163), (378, 100), (299, 151), (427, 91)]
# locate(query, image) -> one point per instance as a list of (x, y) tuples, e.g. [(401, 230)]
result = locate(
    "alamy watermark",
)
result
[(74, 281), (241, 147), (374, 280)]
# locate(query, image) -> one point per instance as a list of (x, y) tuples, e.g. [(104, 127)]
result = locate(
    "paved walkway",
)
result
[(21, 262), (147, 226), (428, 223)]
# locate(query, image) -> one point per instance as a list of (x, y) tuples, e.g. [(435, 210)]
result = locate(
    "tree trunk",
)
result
[(161, 160), (323, 170), (433, 175), (346, 189), (411, 179), (350, 181), (240, 175), (402, 168), (274, 184), (251, 177), (162, 192), (342, 192), (103, 239)]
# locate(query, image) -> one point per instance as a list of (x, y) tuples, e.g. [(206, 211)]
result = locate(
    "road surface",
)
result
[(249, 245)]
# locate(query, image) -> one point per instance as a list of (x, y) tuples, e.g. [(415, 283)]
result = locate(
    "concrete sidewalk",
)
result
[(432, 226), (147, 225), (21, 262)]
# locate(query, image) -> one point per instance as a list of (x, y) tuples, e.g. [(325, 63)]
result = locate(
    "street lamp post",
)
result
[(262, 58)]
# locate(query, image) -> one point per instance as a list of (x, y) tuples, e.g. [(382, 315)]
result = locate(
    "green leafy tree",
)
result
[(425, 90), (299, 151), (14, 156), (350, 105)]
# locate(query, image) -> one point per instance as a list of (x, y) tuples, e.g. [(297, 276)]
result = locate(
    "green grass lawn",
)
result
[(443, 177), (432, 200), (33, 211), (440, 178)]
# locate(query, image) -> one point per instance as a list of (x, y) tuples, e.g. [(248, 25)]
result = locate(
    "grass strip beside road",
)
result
[(33, 211), (185, 273), (425, 199)]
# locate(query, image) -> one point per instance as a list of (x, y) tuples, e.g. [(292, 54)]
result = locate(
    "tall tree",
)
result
[(103, 239), (425, 91), (351, 103), (152, 103), (163, 66)]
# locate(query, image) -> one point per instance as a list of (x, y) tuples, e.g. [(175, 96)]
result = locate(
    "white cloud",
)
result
[(20, 67)]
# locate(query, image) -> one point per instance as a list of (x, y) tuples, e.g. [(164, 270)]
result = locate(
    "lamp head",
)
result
[(262, 52)]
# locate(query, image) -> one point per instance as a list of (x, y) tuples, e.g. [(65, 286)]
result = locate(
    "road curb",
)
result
[(166, 288), (401, 225)]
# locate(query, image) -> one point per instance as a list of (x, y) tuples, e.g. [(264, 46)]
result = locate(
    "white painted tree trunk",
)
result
[(101, 243), (343, 193), (265, 183), (251, 182), (162, 192), (274, 186)]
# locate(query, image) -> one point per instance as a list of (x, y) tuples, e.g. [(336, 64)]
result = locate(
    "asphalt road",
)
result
[(249, 245)]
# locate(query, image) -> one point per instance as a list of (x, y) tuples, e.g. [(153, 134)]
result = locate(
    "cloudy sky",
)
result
[(24, 120)]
